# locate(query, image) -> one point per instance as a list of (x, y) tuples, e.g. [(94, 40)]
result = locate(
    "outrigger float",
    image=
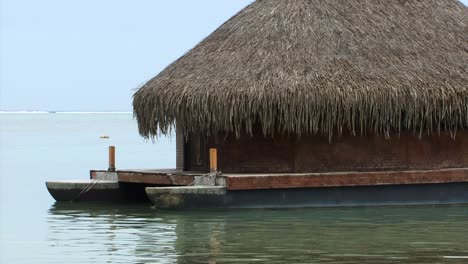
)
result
[(295, 103)]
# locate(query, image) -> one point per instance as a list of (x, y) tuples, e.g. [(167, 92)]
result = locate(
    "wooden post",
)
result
[(111, 158), (213, 160)]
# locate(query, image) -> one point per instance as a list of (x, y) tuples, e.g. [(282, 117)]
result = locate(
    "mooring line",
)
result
[(208, 175), (91, 185), (95, 181)]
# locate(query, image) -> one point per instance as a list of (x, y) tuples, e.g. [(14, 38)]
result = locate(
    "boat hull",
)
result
[(377, 195)]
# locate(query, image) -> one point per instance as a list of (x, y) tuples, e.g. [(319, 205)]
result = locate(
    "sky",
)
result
[(88, 55)]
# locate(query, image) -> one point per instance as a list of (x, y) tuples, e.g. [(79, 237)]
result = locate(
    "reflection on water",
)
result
[(140, 234)]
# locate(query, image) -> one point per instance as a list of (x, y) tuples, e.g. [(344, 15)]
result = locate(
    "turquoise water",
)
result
[(39, 147)]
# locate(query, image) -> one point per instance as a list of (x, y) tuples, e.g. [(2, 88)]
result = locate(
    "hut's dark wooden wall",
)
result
[(258, 154)]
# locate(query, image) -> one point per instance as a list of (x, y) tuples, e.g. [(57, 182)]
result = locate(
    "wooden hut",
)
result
[(295, 86)]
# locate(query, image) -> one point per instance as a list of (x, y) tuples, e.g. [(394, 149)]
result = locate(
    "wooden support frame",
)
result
[(111, 158), (213, 160)]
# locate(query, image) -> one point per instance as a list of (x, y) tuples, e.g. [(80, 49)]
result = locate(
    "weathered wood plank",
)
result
[(272, 181), (155, 178)]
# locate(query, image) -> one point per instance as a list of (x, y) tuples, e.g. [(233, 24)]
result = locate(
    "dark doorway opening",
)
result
[(196, 153)]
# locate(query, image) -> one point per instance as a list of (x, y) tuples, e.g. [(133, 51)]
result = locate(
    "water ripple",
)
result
[(140, 234)]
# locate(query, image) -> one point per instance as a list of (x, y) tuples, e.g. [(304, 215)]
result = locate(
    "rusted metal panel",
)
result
[(155, 178), (250, 182)]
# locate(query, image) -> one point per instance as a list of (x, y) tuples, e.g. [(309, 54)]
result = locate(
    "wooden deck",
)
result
[(171, 177)]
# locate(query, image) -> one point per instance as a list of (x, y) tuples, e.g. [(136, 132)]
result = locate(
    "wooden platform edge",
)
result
[(163, 177), (253, 182), (155, 178)]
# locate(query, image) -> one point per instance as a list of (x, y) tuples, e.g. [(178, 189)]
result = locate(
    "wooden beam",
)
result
[(213, 160), (272, 181), (111, 158)]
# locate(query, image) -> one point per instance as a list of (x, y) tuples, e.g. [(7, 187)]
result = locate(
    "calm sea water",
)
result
[(39, 147)]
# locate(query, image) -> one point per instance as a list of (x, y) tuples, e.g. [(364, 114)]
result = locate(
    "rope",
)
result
[(90, 186), (209, 176), (95, 181)]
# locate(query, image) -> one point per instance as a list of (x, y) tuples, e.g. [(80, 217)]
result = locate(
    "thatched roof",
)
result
[(320, 67)]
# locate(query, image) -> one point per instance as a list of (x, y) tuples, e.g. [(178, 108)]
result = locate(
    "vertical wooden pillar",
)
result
[(111, 158), (213, 160), (180, 149)]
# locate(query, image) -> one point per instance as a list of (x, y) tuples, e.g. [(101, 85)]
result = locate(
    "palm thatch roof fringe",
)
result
[(319, 67)]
